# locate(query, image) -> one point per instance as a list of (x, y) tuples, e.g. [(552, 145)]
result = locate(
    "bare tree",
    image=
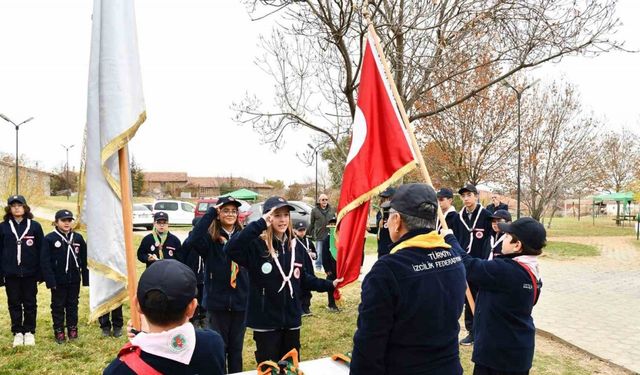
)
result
[(314, 55), (558, 147), (620, 157)]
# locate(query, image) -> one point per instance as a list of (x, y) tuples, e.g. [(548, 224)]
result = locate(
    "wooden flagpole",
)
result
[(409, 127), (127, 220)]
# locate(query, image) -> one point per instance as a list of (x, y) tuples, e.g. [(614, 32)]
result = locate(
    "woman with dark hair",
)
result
[(277, 277), (22, 247), (226, 283)]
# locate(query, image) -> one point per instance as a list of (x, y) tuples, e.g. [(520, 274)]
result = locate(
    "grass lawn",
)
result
[(558, 249), (604, 226)]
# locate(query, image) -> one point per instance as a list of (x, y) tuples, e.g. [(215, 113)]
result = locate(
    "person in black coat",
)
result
[(330, 265), (496, 205), (497, 236), (64, 268), (445, 199), (196, 263), (509, 287), (226, 282), (300, 230), (411, 298), (277, 277), (168, 344), (380, 229), (22, 247), (472, 229), (160, 243)]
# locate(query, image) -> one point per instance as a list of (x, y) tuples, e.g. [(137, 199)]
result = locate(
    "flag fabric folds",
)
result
[(380, 154), (115, 110)]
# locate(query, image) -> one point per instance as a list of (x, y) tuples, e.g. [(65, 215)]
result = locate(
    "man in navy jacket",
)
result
[(411, 298)]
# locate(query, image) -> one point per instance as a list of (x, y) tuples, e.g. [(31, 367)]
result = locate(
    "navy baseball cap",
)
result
[(64, 214), (388, 192), (299, 225), (501, 214), (414, 200), (173, 279), (228, 200), (160, 216), (445, 193), (16, 198), (468, 188), (276, 202), (528, 230)]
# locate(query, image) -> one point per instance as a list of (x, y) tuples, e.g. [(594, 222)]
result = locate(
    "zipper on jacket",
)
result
[(263, 299)]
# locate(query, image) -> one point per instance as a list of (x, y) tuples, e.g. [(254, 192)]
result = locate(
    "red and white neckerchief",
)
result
[(530, 264), (286, 279), (70, 250), (495, 242), (438, 226), (19, 239), (471, 236)]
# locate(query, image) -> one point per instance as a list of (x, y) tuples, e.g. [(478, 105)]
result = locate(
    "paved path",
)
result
[(594, 302)]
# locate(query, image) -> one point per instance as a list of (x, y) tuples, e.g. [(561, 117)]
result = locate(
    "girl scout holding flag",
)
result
[(277, 277)]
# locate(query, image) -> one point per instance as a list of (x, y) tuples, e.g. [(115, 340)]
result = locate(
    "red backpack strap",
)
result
[(534, 282), (130, 355)]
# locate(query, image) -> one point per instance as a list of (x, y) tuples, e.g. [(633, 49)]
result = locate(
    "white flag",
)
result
[(115, 110)]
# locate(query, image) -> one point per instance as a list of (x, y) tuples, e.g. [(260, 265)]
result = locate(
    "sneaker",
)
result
[(467, 340), (106, 332), (117, 332), (29, 339), (18, 339), (73, 332), (306, 312), (333, 309), (59, 336)]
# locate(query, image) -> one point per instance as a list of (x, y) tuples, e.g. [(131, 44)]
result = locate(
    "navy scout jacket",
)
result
[(65, 259), (31, 249), (271, 304), (193, 259), (220, 294), (382, 235), (408, 317), (466, 233), (503, 328), (170, 249)]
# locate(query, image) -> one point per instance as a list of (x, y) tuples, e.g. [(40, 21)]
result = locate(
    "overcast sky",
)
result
[(197, 57)]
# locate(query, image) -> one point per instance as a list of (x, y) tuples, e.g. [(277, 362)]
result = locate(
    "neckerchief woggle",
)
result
[(159, 239), (495, 243), (471, 236), (286, 279), (19, 239), (70, 250)]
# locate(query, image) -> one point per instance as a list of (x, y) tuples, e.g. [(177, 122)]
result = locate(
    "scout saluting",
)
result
[(509, 287), (64, 266), (159, 244), (21, 248), (226, 283), (277, 276)]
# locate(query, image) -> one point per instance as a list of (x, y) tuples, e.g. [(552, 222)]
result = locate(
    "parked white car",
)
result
[(180, 213), (142, 216)]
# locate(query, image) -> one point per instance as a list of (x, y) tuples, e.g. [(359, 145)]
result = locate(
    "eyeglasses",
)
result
[(229, 212), (323, 200)]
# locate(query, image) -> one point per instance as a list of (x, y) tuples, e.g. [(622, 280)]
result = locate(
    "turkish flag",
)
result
[(379, 155)]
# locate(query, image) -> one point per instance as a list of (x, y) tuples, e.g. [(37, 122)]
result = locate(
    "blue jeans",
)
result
[(318, 261)]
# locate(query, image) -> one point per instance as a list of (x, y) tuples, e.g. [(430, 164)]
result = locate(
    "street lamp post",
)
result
[(67, 170), (519, 92), (17, 126), (315, 150)]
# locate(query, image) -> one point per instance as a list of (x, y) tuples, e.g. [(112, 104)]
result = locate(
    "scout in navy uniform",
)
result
[(330, 266), (411, 298), (277, 276), (472, 229), (196, 263), (380, 230), (497, 236), (445, 199), (22, 246), (509, 287), (159, 244), (300, 230), (226, 282), (166, 298), (64, 268)]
